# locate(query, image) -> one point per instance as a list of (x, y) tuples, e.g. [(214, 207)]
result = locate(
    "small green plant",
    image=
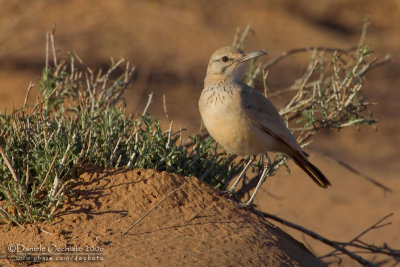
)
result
[(79, 121)]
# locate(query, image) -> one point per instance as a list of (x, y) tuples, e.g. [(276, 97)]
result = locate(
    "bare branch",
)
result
[(353, 170), (147, 213), (288, 53), (14, 175), (340, 246)]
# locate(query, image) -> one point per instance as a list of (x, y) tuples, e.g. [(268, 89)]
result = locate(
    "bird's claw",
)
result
[(246, 206), (231, 194)]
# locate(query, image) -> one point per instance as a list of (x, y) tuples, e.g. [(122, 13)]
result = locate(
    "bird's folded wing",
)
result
[(265, 116)]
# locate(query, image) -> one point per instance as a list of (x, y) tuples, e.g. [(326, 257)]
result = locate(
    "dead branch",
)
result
[(14, 175), (147, 213), (341, 246), (305, 49), (353, 170)]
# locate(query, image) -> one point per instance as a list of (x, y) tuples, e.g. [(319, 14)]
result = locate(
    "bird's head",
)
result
[(228, 62)]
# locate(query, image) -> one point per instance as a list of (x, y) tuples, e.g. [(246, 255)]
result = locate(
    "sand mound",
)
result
[(194, 226)]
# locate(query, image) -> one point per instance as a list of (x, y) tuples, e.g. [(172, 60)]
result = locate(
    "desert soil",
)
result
[(192, 227), (170, 43)]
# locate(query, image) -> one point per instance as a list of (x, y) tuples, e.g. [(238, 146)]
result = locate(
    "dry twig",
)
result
[(147, 213), (342, 246)]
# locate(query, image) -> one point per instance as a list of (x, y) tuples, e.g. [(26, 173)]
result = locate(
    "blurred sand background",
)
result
[(170, 43)]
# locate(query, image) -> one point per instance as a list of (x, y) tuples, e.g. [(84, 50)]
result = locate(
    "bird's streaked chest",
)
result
[(220, 107)]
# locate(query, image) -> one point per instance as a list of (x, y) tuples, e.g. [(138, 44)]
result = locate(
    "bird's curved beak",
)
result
[(251, 55)]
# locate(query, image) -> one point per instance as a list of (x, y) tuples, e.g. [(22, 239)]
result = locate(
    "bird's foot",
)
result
[(231, 194), (246, 205)]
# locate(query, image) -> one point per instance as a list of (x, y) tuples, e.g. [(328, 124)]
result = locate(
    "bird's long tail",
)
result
[(312, 171)]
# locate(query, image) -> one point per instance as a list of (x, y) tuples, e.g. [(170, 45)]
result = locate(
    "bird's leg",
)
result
[(232, 189), (267, 167), (269, 164)]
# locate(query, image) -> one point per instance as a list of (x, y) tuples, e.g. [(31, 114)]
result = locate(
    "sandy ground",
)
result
[(171, 44), (193, 227)]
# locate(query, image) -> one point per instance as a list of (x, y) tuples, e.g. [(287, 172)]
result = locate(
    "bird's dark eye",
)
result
[(225, 59)]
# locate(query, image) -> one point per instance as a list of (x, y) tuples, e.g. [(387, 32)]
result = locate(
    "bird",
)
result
[(243, 120)]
